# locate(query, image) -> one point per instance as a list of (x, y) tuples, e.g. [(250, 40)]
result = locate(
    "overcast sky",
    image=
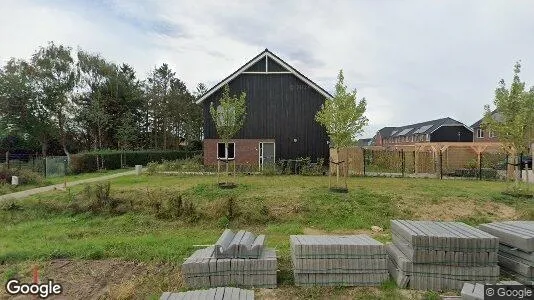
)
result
[(412, 60)]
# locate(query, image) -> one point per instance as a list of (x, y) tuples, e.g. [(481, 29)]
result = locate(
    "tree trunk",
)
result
[(226, 154), (164, 133), (337, 166), (44, 147)]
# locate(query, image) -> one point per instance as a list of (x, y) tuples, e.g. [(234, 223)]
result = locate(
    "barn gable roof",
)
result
[(281, 68)]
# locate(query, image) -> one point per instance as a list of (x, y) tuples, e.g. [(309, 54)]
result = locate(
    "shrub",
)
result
[(312, 169), (29, 177), (112, 160), (96, 199), (5, 175), (232, 210)]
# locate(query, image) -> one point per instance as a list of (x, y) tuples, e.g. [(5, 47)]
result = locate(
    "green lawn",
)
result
[(148, 225)]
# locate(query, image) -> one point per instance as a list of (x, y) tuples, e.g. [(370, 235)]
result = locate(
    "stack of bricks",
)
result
[(323, 260), (516, 248), (237, 259), (441, 255), (220, 293)]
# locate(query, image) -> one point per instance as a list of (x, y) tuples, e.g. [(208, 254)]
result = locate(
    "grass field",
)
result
[(149, 227)]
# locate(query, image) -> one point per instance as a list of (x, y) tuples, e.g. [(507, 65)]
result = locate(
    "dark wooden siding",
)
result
[(450, 134), (259, 66), (275, 67), (281, 107)]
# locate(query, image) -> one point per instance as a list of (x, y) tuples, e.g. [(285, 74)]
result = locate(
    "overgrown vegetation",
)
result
[(193, 164), (160, 218), (113, 160)]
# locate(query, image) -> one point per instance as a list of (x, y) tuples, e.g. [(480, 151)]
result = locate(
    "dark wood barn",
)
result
[(280, 121)]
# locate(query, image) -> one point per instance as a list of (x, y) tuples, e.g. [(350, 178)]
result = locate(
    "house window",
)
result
[(221, 151), (427, 137), (480, 133), (491, 134)]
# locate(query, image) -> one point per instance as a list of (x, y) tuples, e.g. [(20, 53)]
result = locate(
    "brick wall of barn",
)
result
[(246, 151)]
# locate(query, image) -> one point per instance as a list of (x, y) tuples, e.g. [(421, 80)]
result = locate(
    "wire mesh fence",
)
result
[(52, 166), (461, 160)]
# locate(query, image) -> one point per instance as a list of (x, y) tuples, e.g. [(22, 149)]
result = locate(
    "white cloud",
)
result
[(412, 60)]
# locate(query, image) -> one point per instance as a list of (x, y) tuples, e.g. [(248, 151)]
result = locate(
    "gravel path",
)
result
[(27, 193)]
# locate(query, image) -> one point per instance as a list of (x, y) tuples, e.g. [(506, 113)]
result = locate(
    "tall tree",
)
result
[(56, 76), (343, 117), (513, 120), (22, 111), (159, 89), (95, 73)]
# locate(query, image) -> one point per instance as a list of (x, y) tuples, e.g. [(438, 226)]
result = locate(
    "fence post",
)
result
[(403, 163), (363, 151), (414, 163), (7, 159), (440, 164), (44, 166)]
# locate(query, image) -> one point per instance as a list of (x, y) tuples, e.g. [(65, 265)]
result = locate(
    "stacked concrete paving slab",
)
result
[(516, 248), (220, 293), (326, 260), (245, 264), (242, 244), (441, 255)]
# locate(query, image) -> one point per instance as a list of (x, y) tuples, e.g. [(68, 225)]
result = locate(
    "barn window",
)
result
[(491, 134), (221, 151), (480, 133)]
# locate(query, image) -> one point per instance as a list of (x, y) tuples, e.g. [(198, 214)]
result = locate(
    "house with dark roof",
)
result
[(280, 122), (484, 135), (382, 134), (365, 142), (440, 130)]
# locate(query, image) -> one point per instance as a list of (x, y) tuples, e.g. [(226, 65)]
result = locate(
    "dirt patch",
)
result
[(102, 279), (450, 209)]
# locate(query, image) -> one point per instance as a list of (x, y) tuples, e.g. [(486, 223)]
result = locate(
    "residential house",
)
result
[(280, 122), (481, 134), (440, 130)]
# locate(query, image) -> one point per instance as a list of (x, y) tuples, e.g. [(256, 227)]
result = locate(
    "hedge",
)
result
[(87, 162)]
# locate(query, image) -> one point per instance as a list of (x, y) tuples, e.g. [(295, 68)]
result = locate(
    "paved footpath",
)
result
[(60, 186)]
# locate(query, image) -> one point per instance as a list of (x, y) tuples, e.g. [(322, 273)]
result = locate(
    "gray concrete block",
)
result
[(242, 244), (518, 234), (220, 293), (334, 246), (527, 256), (451, 236), (517, 265)]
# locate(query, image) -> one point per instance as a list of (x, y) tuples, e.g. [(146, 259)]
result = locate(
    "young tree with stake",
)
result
[(229, 117), (513, 121), (343, 117)]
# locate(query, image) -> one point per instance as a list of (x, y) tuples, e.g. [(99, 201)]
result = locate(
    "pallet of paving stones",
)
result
[(435, 276), (518, 234), (220, 293), (444, 243), (240, 244), (202, 269), (329, 260), (431, 255), (516, 248)]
